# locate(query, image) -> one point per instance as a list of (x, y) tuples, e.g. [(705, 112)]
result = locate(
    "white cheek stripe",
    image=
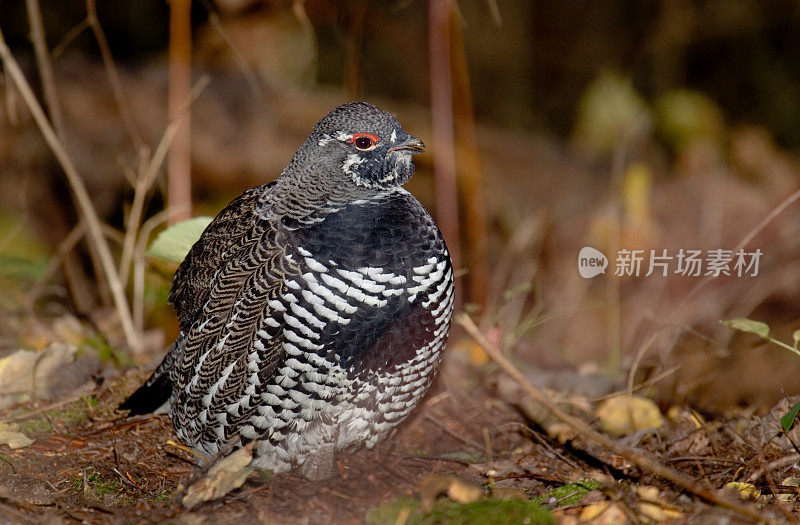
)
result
[(352, 160)]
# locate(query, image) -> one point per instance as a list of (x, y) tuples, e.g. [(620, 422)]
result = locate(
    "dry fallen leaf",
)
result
[(603, 513), (11, 436), (789, 482), (227, 474), (653, 508), (771, 430), (456, 489), (30, 373), (561, 432), (624, 415)]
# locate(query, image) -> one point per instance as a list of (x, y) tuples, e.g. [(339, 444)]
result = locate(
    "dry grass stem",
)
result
[(45, 66), (71, 35), (248, 73), (139, 266), (85, 205), (145, 180), (113, 76), (143, 184)]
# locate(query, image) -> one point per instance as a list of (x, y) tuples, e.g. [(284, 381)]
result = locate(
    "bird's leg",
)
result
[(321, 464)]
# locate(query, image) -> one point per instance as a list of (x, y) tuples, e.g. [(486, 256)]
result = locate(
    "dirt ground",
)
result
[(476, 431), (90, 463)]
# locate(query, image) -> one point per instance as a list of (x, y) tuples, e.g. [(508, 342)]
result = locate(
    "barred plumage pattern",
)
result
[(314, 310)]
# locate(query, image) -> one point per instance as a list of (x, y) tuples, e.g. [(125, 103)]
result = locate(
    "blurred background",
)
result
[(622, 124)]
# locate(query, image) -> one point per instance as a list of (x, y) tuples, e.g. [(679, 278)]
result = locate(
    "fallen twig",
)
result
[(773, 465), (591, 434)]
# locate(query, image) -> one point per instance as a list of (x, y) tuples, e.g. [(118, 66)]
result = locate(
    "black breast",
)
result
[(392, 235)]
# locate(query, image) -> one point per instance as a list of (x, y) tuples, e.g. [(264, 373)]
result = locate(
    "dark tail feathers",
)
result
[(158, 388), (151, 395)]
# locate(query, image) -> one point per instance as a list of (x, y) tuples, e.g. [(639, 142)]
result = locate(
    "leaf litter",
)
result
[(488, 451)]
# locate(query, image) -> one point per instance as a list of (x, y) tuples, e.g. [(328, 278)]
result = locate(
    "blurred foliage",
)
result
[(22, 255), (686, 117), (23, 259), (105, 352), (610, 113)]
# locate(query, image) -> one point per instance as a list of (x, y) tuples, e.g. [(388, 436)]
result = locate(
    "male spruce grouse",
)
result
[(313, 310)]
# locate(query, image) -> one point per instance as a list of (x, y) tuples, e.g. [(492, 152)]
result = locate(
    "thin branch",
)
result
[(71, 35), (45, 67), (470, 181), (139, 266), (145, 181), (79, 190), (77, 281), (113, 76), (143, 184), (779, 463), (64, 247), (248, 73), (584, 429)]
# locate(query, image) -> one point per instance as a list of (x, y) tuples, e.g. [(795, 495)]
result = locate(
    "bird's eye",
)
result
[(364, 141)]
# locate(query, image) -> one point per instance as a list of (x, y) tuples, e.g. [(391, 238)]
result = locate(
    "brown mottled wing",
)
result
[(227, 239), (219, 242), (232, 340)]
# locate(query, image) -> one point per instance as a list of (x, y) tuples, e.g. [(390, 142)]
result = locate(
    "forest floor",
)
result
[(476, 450)]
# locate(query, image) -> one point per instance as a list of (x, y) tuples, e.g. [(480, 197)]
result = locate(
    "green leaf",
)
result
[(749, 326), (175, 242), (788, 420)]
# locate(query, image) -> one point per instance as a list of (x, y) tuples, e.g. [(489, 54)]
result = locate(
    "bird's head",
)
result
[(366, 144)]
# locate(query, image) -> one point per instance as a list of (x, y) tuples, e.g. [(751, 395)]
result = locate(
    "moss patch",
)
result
[(488, 512), (569, 494), (73, 414), (96, 484)]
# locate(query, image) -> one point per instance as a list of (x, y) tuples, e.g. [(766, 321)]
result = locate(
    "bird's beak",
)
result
[(412, 144)]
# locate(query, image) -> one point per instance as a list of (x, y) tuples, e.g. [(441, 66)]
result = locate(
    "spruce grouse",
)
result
[(314, 309)]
